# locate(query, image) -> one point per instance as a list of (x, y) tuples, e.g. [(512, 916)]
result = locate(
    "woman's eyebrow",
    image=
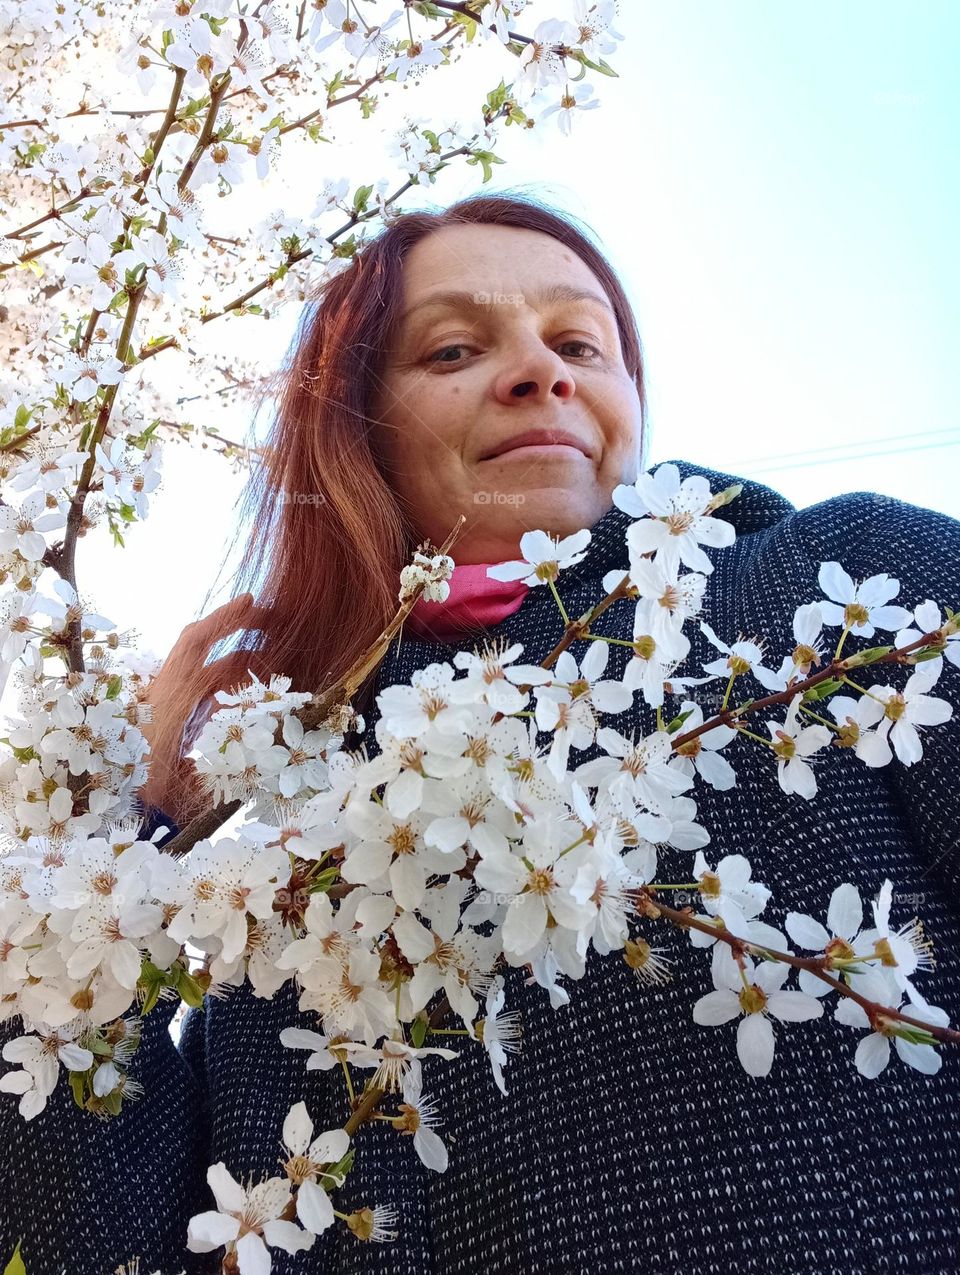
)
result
[(485, 302)]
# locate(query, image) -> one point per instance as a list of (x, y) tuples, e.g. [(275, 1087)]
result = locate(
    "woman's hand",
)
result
[(193, 646)]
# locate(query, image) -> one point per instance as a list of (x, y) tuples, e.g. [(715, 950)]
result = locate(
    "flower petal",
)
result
[(715, 1008), (755, 1045), (845, 913), (873, 1054), (806, 932)]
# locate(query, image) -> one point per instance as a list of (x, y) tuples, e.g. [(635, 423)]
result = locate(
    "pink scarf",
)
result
[(475, 601)]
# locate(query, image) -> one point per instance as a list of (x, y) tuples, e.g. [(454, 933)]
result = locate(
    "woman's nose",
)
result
[(536, 373)]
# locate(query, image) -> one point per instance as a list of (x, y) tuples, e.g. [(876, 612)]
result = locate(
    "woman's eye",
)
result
[(435, 357), (587, 346)]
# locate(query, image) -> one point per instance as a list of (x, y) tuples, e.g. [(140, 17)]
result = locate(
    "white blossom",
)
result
[(500, 1032), (838, 942), (674, 518), (759, 997), (793, 745), (873, 1051), (248, 1217), (863, 607), (544, 557)]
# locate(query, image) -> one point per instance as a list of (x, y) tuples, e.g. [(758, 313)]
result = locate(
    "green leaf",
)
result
[(361, 197), (22, 416), (191, 993), (150, 999), (868, 656), (915, 1035), (926, 653), (486, 159), (340, 1169), (678, 721), (113, 1102), (77, 1085), (418, 1030), (324, 880), (334, 85), (346, 249), (726, 496), (496, 97), (194, 107), (822, 689), (15, 1266)]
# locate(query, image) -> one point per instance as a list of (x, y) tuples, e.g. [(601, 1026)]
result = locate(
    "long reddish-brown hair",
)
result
[(328, 537)]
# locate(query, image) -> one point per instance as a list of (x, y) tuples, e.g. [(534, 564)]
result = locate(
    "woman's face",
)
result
[(465, 377)]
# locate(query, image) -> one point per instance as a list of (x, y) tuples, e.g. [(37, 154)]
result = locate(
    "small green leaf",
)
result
[(868, 656), (190, 990), (324, 880), (926, 653), (486, 159), (822, 689), (150, 999), (15, 1266), (678, 721), (77, 1085), (726, 496), (113, 1102), (339, 1170), (418, 1031), (361, 197)]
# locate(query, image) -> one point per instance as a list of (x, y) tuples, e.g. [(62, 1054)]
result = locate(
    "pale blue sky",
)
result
[(777, 185)]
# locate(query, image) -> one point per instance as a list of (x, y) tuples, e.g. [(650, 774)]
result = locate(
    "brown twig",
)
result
[(730, 717), (816, 965), (315, 712)]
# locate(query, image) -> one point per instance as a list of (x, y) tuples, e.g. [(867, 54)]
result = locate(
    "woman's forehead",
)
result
[(492, 260)]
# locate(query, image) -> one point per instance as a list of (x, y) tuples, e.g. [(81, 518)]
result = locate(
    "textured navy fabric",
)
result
[(631, 1139)]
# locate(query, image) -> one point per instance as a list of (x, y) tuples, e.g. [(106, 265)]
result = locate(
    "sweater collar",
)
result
[(756, 508)]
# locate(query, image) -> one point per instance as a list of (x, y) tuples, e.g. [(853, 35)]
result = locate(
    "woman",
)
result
[(631, 1139)]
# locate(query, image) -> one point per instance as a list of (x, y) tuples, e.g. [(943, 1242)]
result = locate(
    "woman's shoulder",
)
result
[(870, 533), (866, 531)]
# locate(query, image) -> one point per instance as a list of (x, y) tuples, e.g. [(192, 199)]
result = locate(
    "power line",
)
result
[(842, 460), (811, 453)]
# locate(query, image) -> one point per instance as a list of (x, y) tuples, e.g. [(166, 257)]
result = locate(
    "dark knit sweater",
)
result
[(631, 1139)]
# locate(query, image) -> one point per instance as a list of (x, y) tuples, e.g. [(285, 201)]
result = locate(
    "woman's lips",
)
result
[(558, 451), (551, 442)]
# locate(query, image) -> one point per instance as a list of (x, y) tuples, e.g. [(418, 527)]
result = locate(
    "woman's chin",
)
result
[(555, 510)]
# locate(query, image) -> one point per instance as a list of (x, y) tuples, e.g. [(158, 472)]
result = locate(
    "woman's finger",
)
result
[(225, 619)]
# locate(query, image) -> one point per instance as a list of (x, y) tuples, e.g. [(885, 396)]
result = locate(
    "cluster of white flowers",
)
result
[(382, 883), (134, 213), (257, 744), (430, 573), (383, 886)]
